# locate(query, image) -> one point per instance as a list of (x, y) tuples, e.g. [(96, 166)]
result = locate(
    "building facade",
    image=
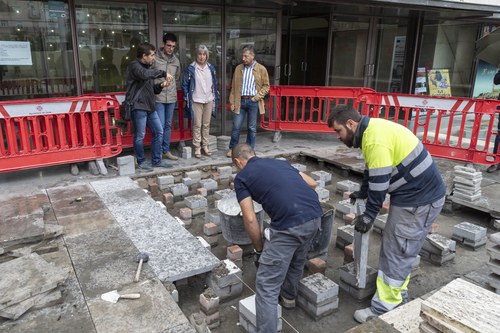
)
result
[(75, 47)]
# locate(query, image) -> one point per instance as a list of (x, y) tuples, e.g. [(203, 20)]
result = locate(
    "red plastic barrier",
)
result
[(52, 131), (461, 129), (456, 128), (306, 109), (181, 130)]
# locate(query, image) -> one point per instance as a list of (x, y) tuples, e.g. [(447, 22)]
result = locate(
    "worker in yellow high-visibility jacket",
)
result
[(396, 163)]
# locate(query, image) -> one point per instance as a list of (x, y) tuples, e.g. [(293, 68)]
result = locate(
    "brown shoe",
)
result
[(206, 151), (170, 156), (197, 153), (229, 153)]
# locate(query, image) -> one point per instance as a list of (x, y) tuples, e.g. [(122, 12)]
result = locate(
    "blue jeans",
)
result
[(281, 266), (252, 110), (165, 112), (141, 119)]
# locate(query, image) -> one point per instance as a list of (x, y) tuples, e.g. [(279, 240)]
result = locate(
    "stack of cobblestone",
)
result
[(318, 295), (225, 280), (467, 183), (349, 281), (248, 319), (438, 249), (469, 234), (494, 263)]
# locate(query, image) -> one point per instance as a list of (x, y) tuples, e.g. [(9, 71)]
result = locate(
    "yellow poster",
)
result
[(439, 82)]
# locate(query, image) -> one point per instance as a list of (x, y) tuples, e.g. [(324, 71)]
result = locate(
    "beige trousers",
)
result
[(201, 123)]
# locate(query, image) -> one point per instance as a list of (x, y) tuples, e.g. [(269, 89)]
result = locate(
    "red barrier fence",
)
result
[(461, 129), (181, 127), (52, 131)]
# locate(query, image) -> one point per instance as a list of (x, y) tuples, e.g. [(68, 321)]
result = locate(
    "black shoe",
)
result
[(286, 303), (493, 168), (162, 164), (144, 166)]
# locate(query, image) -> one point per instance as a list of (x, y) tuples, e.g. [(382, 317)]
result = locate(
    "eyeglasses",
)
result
[(170, 46)]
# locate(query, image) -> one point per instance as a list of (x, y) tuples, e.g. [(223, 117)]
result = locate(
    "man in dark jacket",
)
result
[(496, 167), (141, 91)]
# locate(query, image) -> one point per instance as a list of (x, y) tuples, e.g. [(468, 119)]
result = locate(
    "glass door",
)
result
[(306, 52)]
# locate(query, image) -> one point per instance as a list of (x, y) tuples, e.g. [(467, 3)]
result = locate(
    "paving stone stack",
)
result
[(494, 263), (344, 207), (379, 224), (197, 203), (225, 280), (209, 184), (345, 236), (323, 194), (347, 186), (209, 306), (212, 143), (29, 283), (318, 295), (467, 184), (248, 319), (223, 142), (349, 282), (438, 249), (469, 234), (322, 178), (300, 167)]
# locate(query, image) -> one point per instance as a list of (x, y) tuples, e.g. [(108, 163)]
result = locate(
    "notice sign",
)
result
[(15, 53), (439, 82)]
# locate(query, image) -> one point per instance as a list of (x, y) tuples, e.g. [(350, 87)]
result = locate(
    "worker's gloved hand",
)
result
[(354, 196), (363, 223), (256, 257)]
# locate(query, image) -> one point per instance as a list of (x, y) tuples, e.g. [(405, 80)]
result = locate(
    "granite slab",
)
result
[(174, 253)]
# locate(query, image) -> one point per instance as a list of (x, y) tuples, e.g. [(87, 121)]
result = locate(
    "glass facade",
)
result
[(36, 50), (107, 37), (68, 48)]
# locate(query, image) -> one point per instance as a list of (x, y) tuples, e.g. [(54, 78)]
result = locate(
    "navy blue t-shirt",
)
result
[(280, 189)]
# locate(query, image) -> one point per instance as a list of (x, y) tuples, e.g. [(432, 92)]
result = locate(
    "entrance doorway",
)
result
[(305, 55)]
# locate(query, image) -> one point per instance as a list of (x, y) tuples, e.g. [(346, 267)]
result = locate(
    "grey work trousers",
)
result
[(404, 236), (281, 266)]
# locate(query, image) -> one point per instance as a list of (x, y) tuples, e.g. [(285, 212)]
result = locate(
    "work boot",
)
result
[(229, 153), (144, 166), (286, 303), (363, 315), (170, 156), (162, 164), (206, 151)]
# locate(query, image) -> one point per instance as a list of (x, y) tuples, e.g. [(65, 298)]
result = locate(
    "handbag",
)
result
[(127, 107)]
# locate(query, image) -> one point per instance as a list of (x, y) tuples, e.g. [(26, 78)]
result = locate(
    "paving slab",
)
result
[(405, 318), (174, 252), (71, 315), (465, 306), (101, 268)]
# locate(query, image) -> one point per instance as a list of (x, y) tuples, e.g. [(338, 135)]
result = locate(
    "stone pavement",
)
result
[(99, 247)]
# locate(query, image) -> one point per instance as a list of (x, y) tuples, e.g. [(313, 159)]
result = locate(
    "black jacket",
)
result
[(139, 74), (496, 79)]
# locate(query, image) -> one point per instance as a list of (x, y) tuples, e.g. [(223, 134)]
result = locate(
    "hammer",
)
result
[(140, 258)]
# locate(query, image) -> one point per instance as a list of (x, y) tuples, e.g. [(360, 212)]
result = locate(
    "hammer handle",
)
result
[(139, 268)]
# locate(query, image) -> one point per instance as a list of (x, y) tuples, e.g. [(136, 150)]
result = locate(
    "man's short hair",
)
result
[(342, 113), (248, 48), (169, 36), (144, 49), (243, 150)]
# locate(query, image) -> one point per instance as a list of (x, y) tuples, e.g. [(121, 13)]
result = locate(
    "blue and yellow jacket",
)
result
[(396, 163)]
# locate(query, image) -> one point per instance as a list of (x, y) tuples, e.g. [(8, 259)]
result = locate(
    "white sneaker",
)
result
[(364, 315)]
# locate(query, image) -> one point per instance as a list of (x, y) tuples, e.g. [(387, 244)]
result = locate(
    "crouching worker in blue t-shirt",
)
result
[(288, 197)]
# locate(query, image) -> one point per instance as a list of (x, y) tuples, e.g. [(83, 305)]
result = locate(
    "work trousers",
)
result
[(201, 124), (404, 235), (281, 266)]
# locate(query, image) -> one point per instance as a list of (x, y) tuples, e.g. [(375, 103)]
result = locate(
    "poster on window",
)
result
[(439, 82), (421, 81), (15, 53), (483, 85)]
